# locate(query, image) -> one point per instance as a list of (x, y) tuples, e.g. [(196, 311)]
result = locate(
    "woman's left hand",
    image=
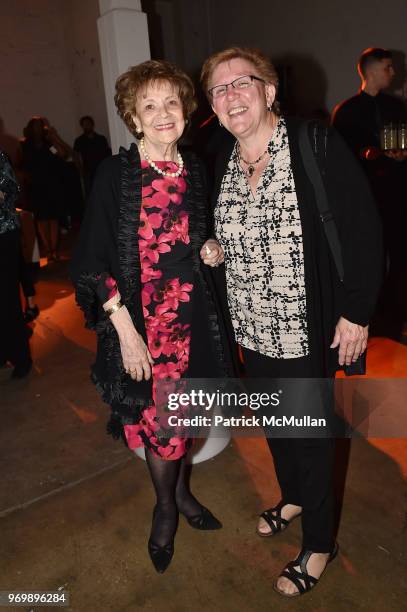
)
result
[(351, 339), (212, 253)]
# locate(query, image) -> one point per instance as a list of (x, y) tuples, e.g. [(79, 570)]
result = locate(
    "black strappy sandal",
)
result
[(302, 579), (275, 521)]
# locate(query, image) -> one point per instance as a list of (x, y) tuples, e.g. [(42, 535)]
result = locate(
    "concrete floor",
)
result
[(76, 507)]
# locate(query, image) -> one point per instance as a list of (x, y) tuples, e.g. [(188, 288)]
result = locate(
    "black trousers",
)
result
[(304, 467), (14, 345)]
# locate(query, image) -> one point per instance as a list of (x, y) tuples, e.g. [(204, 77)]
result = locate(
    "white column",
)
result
[(123, 41)]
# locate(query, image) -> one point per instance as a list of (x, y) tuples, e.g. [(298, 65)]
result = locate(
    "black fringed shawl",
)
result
[(108, 242)]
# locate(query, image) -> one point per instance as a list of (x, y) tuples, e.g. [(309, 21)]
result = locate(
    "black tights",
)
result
[(171, 485)]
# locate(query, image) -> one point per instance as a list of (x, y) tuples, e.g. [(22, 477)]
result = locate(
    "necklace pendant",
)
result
[(250, 171)]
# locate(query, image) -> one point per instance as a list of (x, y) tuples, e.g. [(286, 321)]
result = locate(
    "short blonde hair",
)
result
[(261, 63), (130, 84)]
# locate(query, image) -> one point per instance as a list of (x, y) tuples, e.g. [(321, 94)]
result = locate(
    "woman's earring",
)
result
[(269, 107), (220, 123), (139, 133)]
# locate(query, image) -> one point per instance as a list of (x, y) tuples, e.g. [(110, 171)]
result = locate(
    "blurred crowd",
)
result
[(44, 183)]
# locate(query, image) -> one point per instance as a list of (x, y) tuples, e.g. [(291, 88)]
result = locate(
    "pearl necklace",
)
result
[(156, 168)]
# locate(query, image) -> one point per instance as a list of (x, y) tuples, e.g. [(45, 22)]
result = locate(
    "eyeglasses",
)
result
[(242, 82)]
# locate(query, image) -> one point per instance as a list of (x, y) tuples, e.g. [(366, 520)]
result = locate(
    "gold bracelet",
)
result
[(113, 308)]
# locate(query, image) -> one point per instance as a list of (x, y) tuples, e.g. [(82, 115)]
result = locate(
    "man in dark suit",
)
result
[(360, 120)]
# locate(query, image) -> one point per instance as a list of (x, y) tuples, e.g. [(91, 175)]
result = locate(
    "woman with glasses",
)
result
[(288, 307)]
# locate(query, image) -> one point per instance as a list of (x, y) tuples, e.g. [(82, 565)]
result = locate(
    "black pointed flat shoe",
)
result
[(161, 556), (204, 520)]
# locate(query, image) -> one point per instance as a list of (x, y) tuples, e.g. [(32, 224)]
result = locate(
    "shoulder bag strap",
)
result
[(321, 198)]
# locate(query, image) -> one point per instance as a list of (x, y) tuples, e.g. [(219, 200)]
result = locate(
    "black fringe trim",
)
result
[(197, 206), (129, 220), (108, 373), (114, 428), (86, 297)]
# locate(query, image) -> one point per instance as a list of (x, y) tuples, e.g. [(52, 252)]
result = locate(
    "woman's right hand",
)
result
[(137, 360)]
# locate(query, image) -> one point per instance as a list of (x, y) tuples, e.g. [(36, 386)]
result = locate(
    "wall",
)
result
[(33, 66), (319, 40), (49, 65), (179, 31), (85, 67)]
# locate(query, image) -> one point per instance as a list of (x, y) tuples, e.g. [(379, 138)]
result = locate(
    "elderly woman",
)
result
[(143, 288), (288, 308)]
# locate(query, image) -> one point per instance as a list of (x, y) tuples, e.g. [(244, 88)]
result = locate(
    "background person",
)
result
[(42, 158), (360, 120), (92, 149)]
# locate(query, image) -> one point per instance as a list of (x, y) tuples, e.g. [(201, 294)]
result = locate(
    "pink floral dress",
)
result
[(167, 285)]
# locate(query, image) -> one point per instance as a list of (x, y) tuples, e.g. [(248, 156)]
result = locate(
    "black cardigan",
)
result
[(360, 234), (108, 242)]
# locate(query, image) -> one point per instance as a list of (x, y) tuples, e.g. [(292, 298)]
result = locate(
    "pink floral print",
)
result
[(166, 298), (148, 223)]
